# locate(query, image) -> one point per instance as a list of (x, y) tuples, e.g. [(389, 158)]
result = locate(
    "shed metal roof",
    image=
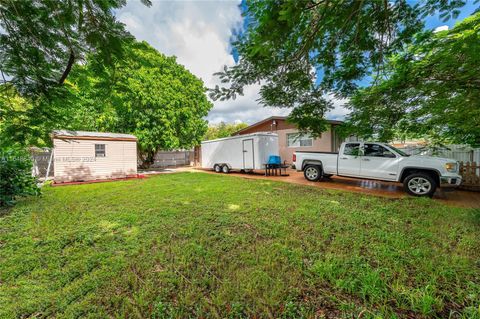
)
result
[(92, 135)]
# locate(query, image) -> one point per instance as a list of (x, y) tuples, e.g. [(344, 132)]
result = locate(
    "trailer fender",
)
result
[(223, 164), (226, 164)]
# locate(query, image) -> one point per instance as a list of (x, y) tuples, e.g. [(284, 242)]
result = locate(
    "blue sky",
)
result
[(198, 33), (433, 22)]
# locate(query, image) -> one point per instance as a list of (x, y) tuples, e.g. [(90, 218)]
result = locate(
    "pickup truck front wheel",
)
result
[(420, 184), (312, 172)]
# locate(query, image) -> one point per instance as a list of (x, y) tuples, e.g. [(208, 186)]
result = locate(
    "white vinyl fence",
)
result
[(173, 158), (461, 153)]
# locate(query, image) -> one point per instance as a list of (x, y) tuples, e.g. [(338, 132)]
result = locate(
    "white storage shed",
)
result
[(241, 152), (86, 156)]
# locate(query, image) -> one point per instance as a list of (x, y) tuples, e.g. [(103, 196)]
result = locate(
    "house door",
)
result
[(248, 161)]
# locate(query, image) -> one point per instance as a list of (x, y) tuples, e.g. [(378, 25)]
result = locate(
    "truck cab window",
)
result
[(376, 150), (352, 149)]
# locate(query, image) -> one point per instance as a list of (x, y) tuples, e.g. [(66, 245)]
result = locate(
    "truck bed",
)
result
[(316, 152), (328, 160)]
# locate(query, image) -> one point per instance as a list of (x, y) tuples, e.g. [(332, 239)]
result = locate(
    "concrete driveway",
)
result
[(452, 197)]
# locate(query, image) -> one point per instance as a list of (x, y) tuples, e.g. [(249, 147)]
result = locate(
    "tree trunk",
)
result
[(148, 158), (71, 60)]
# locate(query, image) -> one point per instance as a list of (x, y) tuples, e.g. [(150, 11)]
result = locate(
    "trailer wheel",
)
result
[(225, 169), (217, 168), (312, 172)]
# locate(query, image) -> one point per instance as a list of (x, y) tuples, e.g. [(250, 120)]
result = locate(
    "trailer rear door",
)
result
[(248, 156)]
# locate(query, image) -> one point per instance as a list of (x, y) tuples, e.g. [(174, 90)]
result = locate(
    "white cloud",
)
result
[(441, 28), (339, 110), (199, 34)]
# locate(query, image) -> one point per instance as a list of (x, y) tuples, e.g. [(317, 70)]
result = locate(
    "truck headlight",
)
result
[(451, 167)]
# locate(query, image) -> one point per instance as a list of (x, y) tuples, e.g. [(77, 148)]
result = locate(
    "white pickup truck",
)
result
[(420, 175)]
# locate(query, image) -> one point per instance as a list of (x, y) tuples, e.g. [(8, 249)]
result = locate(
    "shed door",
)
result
[(248, 161)]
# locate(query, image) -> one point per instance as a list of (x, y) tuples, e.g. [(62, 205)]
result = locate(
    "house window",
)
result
[(299, 140), (99, 150)]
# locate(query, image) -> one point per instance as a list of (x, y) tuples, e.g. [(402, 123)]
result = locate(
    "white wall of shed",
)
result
[(75, 160)]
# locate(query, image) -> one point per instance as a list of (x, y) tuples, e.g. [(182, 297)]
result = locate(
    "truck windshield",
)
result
[(399, 152)]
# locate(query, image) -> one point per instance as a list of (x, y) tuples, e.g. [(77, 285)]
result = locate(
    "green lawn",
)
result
[(203, 245)]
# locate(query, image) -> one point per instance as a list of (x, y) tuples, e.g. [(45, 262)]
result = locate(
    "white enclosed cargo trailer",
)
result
[(241, 152)]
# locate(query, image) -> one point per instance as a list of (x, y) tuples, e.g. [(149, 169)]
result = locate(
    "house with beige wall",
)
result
[(86, 156), (289, 139)]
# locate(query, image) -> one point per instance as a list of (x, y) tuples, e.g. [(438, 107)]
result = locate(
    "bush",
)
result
[(16, 176)]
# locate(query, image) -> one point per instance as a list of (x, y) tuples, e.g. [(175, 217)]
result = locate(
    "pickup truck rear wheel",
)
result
[(420, 184), (312, 172)]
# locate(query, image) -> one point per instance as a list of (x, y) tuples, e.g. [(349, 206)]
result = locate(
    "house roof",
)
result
[(66, 134), (271, 118)]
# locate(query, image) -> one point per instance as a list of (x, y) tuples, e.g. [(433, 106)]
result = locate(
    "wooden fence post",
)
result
[(470, 172)]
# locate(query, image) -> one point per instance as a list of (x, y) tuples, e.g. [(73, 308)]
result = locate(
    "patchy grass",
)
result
[(202, 245)]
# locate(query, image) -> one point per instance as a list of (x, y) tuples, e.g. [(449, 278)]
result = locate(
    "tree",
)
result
[(302, 50), (29, 120), (42, 40), (144, 93), (431, 89), (223, 130)]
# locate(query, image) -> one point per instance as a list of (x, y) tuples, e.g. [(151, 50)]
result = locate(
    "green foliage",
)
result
[(16, 178), (223, 130), (430, 90), (41, 40), (143, 93), (193, 245), (28, 121), (287, 44)]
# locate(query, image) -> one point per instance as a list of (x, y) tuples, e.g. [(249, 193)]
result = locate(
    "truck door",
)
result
[(248, 159), (378, 162), (349, 160)]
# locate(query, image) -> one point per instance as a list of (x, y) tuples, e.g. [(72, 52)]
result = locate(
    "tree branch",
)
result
[(71, 60)]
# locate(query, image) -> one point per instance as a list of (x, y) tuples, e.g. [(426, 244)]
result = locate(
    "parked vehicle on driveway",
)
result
[(420, 175), (242, 152)]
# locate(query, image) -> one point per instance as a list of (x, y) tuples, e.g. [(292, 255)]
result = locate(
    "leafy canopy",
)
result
[(41, 40), (144, 93), (223, 130), (299, 50), (431, 89)]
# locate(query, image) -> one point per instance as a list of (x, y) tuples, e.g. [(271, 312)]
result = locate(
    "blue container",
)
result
[(274, 160)]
